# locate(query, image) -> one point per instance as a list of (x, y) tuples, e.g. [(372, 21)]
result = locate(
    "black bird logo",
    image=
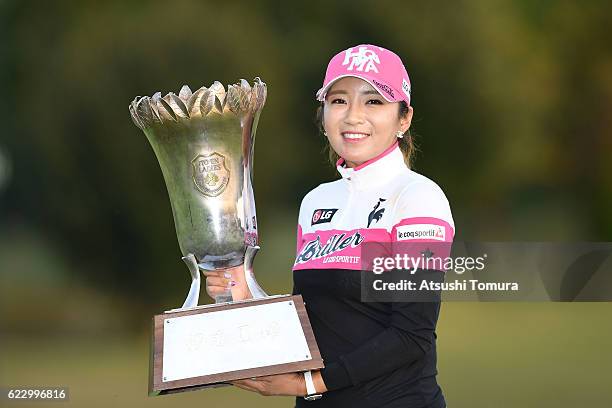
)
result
[(376, 213)]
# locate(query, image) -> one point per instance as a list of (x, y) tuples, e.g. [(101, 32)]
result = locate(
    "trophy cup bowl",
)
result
[(204, 142)]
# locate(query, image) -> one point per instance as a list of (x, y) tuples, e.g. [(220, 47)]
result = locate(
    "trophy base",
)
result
[(191, 388), (209, 345)]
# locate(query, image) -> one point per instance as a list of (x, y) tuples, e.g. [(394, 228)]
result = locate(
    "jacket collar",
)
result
[(375, 171)]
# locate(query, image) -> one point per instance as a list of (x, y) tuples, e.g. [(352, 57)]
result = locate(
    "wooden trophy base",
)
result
[(209, 345)]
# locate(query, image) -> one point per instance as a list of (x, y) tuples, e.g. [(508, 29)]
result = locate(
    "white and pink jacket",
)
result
[(381, 200)]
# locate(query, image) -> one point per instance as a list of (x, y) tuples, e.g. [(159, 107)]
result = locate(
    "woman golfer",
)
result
[(376, 354)]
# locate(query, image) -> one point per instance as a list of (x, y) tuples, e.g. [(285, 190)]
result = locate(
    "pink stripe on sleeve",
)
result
[(422, 229), (423, 237)]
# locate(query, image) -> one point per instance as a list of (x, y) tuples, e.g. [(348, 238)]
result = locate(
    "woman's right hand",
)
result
[(219, 281)]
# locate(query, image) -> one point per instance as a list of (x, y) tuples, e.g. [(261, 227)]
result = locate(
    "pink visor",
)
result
[(381, 68)]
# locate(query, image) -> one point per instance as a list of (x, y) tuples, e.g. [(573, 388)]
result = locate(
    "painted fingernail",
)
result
[(233, 283), (227, 275)]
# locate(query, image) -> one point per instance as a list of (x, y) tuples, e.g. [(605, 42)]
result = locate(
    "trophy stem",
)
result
[(194, 290), (256, 291)]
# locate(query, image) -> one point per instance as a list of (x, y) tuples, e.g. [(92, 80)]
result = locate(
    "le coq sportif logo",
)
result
[(421, 231), (376, 213)]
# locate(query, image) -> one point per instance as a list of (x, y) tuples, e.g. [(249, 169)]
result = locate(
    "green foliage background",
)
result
[(511, 100)]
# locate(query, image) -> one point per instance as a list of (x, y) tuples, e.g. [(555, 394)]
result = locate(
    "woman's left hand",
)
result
[(281, 384)]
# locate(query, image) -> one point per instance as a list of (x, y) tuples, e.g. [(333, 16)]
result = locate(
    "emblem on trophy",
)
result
[(210, 174), (204, 143)]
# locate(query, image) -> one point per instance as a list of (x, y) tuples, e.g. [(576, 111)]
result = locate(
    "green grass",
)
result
[(490, 355)]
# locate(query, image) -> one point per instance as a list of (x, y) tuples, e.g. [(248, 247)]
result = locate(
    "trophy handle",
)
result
[(256, 291), (194, 291)]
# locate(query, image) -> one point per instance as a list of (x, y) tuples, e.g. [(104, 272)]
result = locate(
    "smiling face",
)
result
[(360, 124)]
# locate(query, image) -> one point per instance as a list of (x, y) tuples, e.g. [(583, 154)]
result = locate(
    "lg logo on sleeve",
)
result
[(322, 215)]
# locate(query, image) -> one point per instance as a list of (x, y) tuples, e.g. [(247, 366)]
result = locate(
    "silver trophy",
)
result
[(204, 142)]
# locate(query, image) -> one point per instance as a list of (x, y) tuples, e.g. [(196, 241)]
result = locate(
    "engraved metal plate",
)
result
[(231, 340)]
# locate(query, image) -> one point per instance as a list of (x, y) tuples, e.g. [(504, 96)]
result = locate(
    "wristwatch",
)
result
[(311, 391)]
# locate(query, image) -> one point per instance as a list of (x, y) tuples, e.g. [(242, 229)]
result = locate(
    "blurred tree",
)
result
[(510, 98)]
